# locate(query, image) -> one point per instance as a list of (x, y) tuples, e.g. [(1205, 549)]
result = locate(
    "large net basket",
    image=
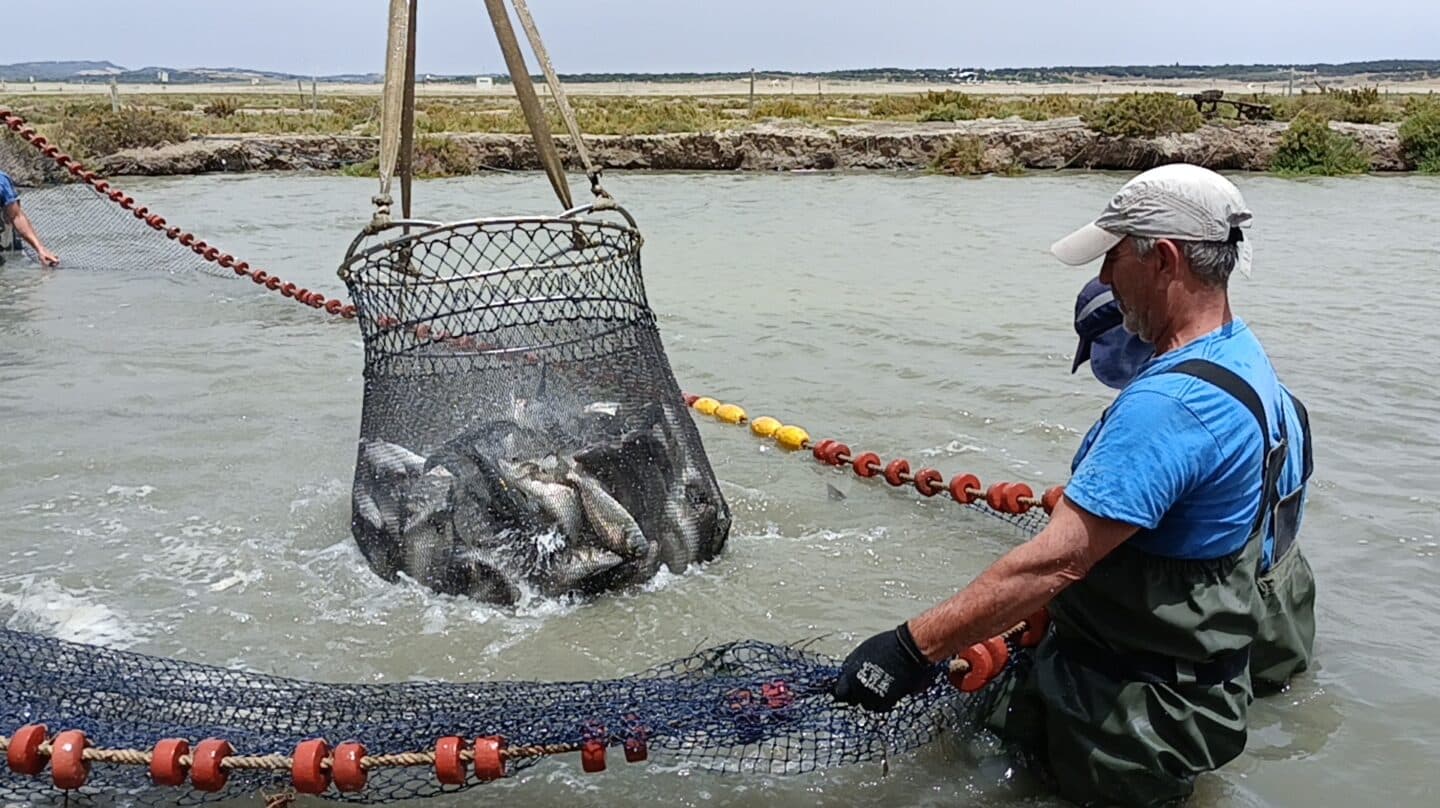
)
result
[(522, 430)]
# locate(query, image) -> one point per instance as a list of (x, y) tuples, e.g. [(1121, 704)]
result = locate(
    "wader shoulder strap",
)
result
[(1309, 454), (1229, 381), (1241, 390), (1272, 457)]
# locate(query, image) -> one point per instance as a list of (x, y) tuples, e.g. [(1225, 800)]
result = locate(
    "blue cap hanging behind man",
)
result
[(1115, 355), (15, 225)]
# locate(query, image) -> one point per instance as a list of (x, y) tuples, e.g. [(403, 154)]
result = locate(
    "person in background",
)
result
[(12, 217)]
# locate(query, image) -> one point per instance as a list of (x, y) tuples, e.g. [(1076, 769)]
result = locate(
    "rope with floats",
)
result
[(1013, 499), (316, 766)]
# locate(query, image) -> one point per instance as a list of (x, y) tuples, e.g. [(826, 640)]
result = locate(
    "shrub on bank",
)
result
[(223, 107), (1044, 107), (1144, 115), (368, 168), (965, 157), (961, 158), (1310, 147), (1420, 137), (1360, 105), (101, 133), (959, 107), (950, 105), (440, 157), (435, 156)]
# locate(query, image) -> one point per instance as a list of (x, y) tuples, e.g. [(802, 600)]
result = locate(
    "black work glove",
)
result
[(882, 670)]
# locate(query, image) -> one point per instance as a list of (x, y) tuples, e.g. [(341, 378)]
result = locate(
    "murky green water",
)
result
[(177, 451)]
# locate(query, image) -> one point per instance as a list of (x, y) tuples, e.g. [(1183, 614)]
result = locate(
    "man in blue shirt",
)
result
[(1149, 563), (12, 216), (1285, 643)]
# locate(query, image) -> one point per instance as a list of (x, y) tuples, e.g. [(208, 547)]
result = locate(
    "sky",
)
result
[(650, 36)]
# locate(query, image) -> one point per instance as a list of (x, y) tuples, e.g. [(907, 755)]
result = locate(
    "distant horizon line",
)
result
[(105, 67)]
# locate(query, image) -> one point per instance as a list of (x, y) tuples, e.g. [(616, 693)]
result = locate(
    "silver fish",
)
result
[(558, 501), (614, 525), (478, 574), (390, 461), (568, 569), (427, 498)]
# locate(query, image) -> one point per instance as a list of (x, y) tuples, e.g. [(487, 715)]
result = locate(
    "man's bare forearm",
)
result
[(1019, 583), (27, 230)]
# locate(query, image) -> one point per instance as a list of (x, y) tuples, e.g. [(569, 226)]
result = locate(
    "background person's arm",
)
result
[(26, 230)]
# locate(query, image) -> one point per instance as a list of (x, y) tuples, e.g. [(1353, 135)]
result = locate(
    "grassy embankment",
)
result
[(89, 128)]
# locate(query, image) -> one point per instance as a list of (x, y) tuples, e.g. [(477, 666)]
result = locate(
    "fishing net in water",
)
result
[(90, 224), (522, 430), (83, 224), (740, 707)]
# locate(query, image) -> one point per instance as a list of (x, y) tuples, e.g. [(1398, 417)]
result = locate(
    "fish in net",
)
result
[(522, 430)]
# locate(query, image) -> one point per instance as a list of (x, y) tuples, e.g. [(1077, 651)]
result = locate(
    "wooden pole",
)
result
[(407, 117)]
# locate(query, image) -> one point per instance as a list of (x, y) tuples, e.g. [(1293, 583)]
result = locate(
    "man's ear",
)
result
[(1170, 255)]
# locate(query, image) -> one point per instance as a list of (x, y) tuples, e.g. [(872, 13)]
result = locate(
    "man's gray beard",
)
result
[(1135, 324)]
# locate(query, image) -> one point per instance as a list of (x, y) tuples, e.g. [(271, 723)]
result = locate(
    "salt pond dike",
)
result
[(1059, 143)]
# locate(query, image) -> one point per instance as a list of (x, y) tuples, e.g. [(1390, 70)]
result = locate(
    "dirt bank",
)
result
[(777, 147)]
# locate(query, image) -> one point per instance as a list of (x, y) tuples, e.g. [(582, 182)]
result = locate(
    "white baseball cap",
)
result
[(1177, 201)]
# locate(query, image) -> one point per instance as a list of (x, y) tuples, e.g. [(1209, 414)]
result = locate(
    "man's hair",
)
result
[(1211, 261)]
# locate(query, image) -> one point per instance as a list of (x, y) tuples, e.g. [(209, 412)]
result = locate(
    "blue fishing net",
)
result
[(740, 707)]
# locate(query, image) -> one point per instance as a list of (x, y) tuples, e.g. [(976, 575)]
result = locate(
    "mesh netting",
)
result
[(1029, 523), (522, 430), (84, 227), (741, 707)]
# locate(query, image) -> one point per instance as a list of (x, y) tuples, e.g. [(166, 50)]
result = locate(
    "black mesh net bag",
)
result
[(522, 432)]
